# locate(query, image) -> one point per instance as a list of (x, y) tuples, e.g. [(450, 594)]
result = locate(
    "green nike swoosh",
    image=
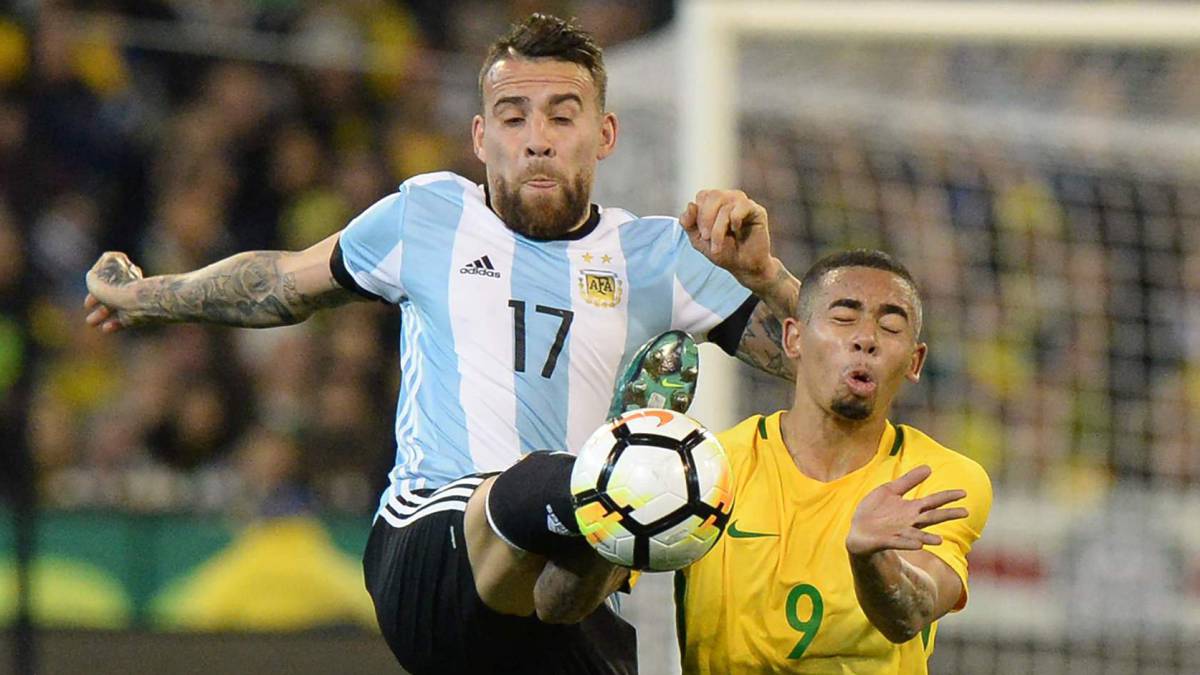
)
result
[(742, 534)]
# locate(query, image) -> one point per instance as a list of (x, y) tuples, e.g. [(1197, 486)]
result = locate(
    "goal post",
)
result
[(1148, 24), (706, 54)]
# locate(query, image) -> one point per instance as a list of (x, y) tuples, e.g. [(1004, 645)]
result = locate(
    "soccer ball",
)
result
[(652, 490)]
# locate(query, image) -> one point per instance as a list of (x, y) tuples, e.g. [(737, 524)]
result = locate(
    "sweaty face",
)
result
[(540, 134), (860, 343)]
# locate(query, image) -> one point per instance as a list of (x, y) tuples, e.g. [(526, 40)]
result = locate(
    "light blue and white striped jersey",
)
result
[(510, 344)]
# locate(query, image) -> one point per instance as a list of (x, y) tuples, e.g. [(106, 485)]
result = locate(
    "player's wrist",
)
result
[(764, 280), (139, 304)]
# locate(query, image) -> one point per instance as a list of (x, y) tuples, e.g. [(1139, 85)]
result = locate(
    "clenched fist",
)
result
[(110, 292)]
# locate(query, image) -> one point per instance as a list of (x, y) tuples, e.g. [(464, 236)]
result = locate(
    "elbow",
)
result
[(900, 633), (901, 629)]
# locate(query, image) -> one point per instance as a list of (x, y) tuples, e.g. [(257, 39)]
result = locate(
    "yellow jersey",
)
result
[(776, 593)]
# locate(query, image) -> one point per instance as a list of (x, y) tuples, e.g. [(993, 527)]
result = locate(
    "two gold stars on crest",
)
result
[(587, 258)]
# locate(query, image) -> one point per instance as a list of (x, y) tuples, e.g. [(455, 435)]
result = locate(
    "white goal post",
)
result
[(707, 62)]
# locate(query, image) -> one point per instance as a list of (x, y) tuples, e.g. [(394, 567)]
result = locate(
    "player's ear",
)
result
[(792, 329), (917, 363), (477, 138), (608, 135)]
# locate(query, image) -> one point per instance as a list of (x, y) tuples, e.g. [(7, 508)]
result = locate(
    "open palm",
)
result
[(885, 520)]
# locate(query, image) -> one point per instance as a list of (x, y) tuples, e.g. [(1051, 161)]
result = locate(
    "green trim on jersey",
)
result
[(898, 442), (762, 426)]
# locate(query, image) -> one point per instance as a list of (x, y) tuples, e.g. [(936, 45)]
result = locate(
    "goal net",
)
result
[(1037, 167)]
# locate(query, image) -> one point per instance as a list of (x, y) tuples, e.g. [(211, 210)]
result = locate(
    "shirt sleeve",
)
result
[(369, 254), (958, 536), (705, 296)]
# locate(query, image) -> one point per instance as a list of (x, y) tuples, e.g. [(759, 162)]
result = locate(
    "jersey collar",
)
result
[(767, 430)]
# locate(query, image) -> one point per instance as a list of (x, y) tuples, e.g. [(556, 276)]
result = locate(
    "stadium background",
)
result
[(202, 495)]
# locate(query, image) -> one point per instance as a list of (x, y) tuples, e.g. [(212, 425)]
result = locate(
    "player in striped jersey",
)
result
[(521, 300)]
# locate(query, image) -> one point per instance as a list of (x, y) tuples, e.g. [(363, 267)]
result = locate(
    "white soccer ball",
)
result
[(652, 490)]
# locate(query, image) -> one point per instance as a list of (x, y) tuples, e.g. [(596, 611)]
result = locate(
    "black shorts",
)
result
[(420, 579)]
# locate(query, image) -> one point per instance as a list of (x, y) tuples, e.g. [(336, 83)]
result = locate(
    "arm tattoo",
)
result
[(762, 342), (247, 290)]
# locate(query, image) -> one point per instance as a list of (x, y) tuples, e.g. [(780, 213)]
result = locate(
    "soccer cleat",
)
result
[(662, 374)]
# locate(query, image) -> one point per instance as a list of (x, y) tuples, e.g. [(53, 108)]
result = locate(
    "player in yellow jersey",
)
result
[(849, 534)]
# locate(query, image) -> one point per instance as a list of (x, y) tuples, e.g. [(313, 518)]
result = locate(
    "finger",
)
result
[(906, 543), (940, 516), (111, 326), (98, 316), (90, 301), (910, 480), (720, 228), (708, 203), (741, 216), (939, 499), (688, 218), (927, 538)]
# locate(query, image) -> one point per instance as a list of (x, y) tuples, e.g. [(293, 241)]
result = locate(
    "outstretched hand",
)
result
[(730, 229), (109, 291), (886, 520)]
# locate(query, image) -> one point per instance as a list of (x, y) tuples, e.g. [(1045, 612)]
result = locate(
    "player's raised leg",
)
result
[(525, 549), (662, 374), (455, 593)]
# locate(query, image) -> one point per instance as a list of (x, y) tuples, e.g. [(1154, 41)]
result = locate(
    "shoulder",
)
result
[(948, 465), (440, 184), (629, 222), (739, 440), (652, 235)]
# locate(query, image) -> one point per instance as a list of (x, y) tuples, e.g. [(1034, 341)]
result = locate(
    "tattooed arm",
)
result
[(762, 341), (256, 289)]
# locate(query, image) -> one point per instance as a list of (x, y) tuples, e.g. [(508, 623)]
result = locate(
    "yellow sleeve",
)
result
[(959, 535)]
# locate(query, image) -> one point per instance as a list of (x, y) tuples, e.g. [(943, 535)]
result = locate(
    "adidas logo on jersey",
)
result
[(481, 267)]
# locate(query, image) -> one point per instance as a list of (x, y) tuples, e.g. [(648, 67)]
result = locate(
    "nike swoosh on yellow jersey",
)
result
[(743, 534)]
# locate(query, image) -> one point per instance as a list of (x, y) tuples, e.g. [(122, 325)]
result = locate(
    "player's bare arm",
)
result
[(255, 289), (731, 230), (900, 587)]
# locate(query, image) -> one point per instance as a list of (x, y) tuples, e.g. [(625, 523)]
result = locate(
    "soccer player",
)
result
[(521, 302), (849, 534)]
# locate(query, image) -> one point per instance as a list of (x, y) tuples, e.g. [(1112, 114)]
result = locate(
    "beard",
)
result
[(545, 218), (852, 408)]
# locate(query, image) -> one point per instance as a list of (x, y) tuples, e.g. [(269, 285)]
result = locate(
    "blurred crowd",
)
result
[(1064, 292), (1062, 298), (182, 133)]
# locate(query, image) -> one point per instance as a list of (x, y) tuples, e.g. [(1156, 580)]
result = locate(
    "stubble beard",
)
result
[(852, 408), (543, 218)]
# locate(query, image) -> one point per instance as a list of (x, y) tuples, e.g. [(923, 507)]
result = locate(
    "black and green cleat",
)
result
[(662, 374)]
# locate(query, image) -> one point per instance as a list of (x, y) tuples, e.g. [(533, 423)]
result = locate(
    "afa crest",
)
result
[(600, 288)]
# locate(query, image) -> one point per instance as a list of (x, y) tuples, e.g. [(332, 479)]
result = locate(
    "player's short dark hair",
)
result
[(859, 257), (542, 36)]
